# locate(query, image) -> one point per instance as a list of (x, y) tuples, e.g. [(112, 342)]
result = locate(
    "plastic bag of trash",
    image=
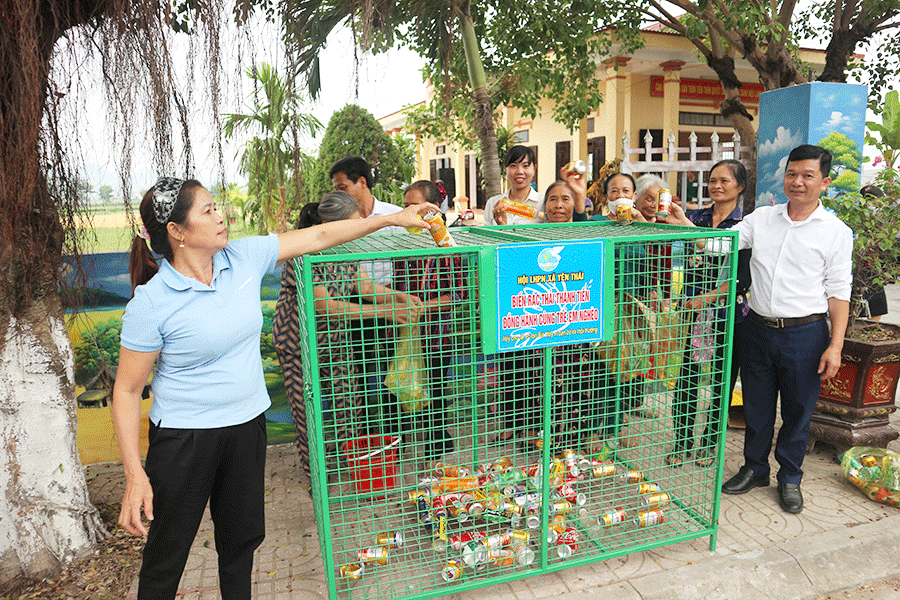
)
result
[(407, 376), (875, 471)]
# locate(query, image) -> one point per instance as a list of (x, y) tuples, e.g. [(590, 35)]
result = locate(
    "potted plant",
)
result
[(854, 406)]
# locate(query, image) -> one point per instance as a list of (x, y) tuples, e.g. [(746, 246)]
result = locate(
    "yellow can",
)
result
[(352, 571)]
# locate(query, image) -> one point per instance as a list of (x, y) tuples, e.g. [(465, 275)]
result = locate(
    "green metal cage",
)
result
[(438, 467)]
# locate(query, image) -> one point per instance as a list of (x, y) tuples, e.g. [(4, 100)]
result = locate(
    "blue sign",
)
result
[(551, 294)]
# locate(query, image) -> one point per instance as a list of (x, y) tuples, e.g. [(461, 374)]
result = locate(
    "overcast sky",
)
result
[(382, 84)]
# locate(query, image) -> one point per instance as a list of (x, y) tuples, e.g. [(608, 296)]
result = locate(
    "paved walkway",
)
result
[(840, 541)]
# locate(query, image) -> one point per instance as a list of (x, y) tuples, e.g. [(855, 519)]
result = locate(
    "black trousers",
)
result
[(781, 363), (187, 468), (684, 408)]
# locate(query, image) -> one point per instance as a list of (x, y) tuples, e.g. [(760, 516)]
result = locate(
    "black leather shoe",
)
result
[(744, 481), (790, 498)]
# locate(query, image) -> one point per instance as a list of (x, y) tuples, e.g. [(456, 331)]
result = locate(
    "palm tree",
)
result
[(434, 25), (272, 160)]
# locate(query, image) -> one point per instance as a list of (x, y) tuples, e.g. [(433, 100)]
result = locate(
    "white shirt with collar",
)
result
[(796, 266), (534, 199), (381, 271)]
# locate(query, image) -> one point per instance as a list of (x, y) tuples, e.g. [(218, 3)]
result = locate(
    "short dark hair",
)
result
[(429, 190), (738, 171), (610, 178), (810, 152), (517, 153), (353, 167)]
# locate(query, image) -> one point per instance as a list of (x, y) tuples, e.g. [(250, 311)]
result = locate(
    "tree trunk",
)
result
[(484, 113), (46, 518), (733, 109), (838, 54)]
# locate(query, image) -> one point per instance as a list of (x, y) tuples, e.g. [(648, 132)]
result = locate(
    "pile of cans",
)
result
[(651, 501), (501, 494)]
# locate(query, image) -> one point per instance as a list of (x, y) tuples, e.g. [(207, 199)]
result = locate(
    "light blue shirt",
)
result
[(209, 372)]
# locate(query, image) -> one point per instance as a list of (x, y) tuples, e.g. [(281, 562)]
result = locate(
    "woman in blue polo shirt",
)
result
[(196, 315)]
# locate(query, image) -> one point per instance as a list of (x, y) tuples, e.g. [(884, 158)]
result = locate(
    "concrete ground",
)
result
[(843, 546)]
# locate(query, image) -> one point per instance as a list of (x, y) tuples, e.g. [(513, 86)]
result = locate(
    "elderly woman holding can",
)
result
[(197, 316)]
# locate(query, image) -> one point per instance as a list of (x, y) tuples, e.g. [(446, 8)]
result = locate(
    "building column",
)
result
[(618, 101), (671, 107)]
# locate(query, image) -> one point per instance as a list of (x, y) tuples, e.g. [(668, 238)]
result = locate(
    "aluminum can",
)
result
[(458, 541), (584, 465), (623, 214), (497, 540), (417, 493), (423, 508), (474, 553), (390, 539), (439, 231), (658, 500), (602, 469), (572, 463), (648, 488), (474, 508), (612, 518), (352, 571), (646, 518), (522, 551), (567, 543), (501, 557), (533, 521), (459, 484), (452, 570), (440, 542), (664, 207), (868, 460), (501, 464), (560, 506), (521, 535), (632, 476), (555, 528), (577, 166), (377, 554)]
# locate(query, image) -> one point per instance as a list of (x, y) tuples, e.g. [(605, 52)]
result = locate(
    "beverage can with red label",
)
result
[(377, 554), (647, 518), (612, 518), (452, 570), (567, 543)]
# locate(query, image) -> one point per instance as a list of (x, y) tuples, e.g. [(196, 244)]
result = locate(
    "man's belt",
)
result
[(777, 323)]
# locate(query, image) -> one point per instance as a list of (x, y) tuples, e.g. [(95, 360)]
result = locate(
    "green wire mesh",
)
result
[(437, 468)]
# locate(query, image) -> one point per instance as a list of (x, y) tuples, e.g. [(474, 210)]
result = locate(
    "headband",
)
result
[(165, 192)]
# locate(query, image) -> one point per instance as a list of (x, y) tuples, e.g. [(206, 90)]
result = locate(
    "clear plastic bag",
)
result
[(875, 471), (407, 376)]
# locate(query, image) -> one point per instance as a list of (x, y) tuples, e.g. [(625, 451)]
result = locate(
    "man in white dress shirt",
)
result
[(352, 174), (801, 271)]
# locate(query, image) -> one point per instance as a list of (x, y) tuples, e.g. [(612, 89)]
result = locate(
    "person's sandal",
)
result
[(676, 459), (705, 460)]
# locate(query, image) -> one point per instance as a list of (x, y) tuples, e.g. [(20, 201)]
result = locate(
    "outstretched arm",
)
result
[(314, 239)]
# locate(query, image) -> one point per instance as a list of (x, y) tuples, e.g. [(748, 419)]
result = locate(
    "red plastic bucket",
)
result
[(373, 462)]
